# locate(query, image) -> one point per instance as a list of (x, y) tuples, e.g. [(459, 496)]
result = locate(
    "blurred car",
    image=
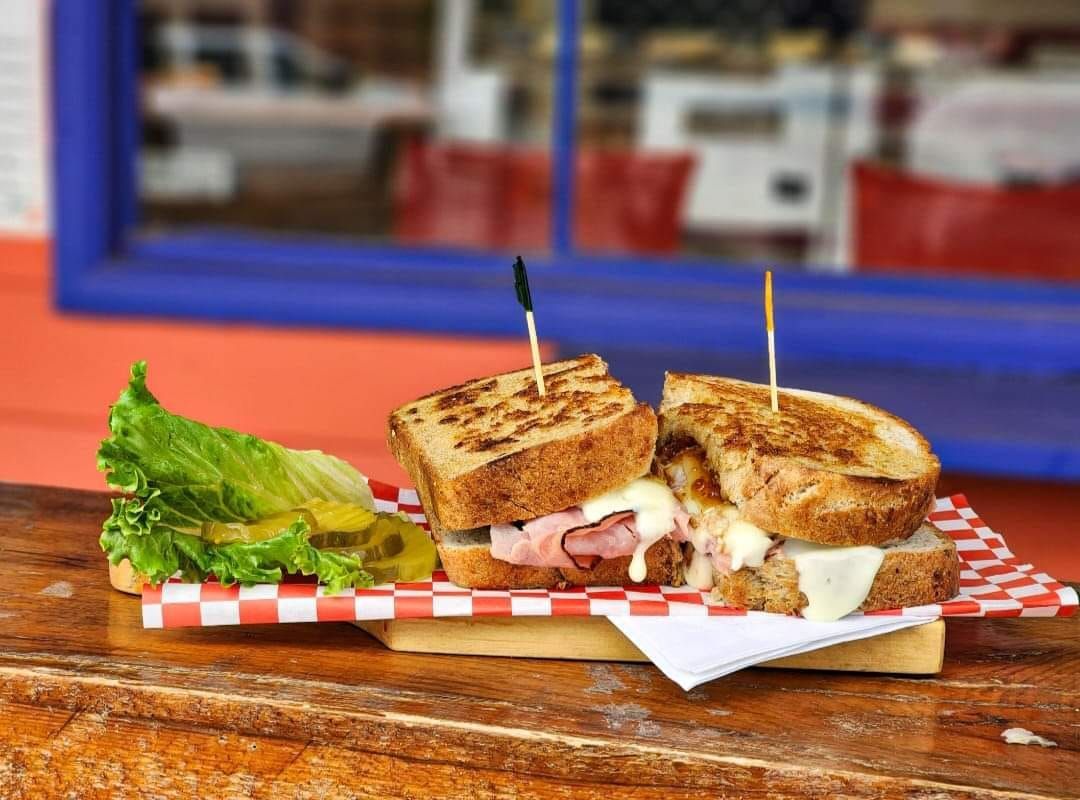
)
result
[(225, 99)]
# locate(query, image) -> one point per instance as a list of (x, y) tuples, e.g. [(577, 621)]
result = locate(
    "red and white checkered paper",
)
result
[(993, 583)]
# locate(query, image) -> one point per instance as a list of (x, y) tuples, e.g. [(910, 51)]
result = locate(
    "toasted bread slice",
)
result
[(921, 569), (827, 469), (125, 579), (492, 450), (466, 557)]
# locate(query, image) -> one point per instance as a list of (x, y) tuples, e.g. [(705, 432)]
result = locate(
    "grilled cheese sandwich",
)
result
[(524, 491), (798, 512)]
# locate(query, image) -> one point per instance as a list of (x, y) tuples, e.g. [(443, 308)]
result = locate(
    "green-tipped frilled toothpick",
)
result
[(524, 296)]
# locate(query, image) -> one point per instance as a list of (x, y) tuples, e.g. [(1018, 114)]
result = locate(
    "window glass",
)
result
[(222, 55), (837, 135), (409, 122)]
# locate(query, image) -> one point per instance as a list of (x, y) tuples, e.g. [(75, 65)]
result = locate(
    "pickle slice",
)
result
[(342, 517), (377, 541), (390, 547), (255, 531), (320, 515)]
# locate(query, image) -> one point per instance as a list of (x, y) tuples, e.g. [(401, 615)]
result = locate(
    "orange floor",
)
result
[(324, 389)]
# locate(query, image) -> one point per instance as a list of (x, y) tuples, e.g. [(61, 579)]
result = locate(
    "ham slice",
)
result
[(566, 539), (611, 537), (681, 532), (538, 543), (722, 561)]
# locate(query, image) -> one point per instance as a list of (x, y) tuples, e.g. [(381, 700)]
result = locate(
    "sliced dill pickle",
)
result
[(390, 546), (378, 541), (320, 515), (341, 517), (392, 549), (256, 531), (415, 562)]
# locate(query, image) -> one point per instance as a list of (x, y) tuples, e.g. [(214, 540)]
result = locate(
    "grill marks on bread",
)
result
[(463, 395), (826, 469), (492, 450), (491, 416), (835, 433)]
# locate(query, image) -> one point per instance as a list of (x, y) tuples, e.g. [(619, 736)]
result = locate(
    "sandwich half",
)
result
[(524, 491), (819, 509)]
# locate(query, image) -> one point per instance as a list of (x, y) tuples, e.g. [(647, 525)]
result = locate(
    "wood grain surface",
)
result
[(911, 651), (91, 705)]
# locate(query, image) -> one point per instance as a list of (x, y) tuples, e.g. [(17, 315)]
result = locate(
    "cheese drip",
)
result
[(699, 572), (747, 544), (654, 509), (835, 580)]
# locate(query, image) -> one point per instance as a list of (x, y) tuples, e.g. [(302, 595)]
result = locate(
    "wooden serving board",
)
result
[(911, 651)]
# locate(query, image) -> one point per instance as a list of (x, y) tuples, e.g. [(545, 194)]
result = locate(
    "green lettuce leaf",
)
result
[(178, 474), (264, 562), (167, 551), (187, 473)]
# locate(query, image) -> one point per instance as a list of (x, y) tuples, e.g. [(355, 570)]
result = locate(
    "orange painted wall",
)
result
[(323, 389)]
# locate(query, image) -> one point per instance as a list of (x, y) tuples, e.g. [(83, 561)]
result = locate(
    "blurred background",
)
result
[(929, 147), (746, 129)]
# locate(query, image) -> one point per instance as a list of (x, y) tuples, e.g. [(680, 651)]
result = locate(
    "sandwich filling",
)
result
[(720, 540), (834, 580), (623, 522)]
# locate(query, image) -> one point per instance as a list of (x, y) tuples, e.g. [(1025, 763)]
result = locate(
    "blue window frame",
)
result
[(606, 302)]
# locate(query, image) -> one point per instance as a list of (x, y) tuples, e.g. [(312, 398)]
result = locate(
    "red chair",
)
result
[(917, 224), (450, 195), (500, 198)]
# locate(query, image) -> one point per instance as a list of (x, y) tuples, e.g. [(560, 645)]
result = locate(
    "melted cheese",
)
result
[(717, 525), (746, 543), (654, 509), (699, 572), (721, 530), (835, 580)]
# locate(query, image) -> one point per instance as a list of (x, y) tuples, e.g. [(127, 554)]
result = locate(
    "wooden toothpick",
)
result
[(524, 296), (770, 330)]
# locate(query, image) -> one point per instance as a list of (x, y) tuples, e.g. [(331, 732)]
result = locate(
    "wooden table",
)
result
[(91, 705)]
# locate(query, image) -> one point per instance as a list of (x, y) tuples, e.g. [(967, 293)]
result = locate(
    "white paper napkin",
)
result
[(694, 650)]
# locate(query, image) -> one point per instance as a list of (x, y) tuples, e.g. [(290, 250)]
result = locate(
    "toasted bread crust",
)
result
[(475, 568), (613, 446), (785, 497), (819, 490), (125, 579), (906, 578), (553, 476)]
